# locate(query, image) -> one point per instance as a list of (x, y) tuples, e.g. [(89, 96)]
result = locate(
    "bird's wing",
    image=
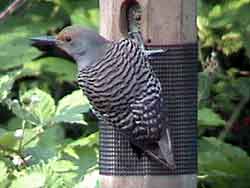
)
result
[(133, 100), (152, 131)]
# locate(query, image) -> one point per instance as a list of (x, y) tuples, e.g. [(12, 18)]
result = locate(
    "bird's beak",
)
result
[(48, 45), (43, 41)]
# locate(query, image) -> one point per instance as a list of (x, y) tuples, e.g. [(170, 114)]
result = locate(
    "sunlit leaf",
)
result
[(223, 164), (3, 172), (90, 180), (64, 166), (6, 83), (40, 104), (71, 107), (22, 113), (90, 140), (207, 117), (224, 25), (38, 176)]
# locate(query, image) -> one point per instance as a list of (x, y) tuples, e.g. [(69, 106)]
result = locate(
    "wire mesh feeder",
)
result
[(177, 71)]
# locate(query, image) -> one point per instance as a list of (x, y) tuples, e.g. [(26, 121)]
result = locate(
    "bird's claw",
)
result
[(136, 35)]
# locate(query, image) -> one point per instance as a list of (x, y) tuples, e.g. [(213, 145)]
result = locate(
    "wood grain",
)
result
[(164, 22)]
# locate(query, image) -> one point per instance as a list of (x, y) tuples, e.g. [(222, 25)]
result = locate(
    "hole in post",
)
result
[(130, 17)]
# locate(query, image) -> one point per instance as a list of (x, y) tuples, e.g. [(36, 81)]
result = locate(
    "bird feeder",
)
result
[(170, 25)]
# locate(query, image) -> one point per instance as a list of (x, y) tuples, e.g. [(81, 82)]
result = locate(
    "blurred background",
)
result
[(48, 136)]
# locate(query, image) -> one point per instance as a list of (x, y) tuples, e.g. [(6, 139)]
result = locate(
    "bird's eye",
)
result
[(67, 38)]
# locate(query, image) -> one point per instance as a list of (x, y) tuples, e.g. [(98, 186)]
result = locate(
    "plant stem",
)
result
[(11, 8), (21, 140), (233, 117), (32, 138), (49, 125), (6, 149)]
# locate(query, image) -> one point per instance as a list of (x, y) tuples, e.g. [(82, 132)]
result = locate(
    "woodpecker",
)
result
[(121, 86)]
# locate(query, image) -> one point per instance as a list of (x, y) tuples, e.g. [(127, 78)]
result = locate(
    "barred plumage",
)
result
[(123, 89), (121, 86)]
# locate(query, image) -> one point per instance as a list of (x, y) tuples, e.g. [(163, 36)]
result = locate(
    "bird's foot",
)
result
[(135, 35)]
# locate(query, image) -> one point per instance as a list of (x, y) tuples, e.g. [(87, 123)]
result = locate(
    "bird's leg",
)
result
[(138, 151), (136, 35)]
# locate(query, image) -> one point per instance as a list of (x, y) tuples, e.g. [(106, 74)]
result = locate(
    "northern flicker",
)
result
[(120, 85)]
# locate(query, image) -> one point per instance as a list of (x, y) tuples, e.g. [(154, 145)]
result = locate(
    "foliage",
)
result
[(37, 116), (224, 24), (223, 165), (224, 93), (47, 134)]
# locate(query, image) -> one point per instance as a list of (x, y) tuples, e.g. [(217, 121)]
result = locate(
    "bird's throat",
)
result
[(91, 56)]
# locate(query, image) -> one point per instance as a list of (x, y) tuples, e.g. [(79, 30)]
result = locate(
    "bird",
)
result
[(120, 85)]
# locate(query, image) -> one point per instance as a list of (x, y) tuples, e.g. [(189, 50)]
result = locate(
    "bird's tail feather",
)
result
[(161, 151), (165, 148)]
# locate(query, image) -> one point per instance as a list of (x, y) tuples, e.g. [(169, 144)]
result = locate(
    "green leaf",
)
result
[(38, 180), (3, 172), (231, 42), (37, 107), (52, 136), (88, 18), (224, 102), (90, 180), (89, 141), (84, 13), (84, 155), (71, 107), (6, 83), (7, 138), (47, 146), (53, 65), (29, 138), (40, 104), (87, 158), (223, 164), (241, 86), (22, 113), (40, 175), (16, 123), (63, 166), (207, 117), (35, 18), (10, 140), (224, 25)]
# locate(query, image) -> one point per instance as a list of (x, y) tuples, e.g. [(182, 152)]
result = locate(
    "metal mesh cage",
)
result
[(177, 71)]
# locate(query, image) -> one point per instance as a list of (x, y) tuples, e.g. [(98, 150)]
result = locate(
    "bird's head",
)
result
[(73, 42)]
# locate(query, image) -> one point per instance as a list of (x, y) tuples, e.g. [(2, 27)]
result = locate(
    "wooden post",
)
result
[(163, 22)]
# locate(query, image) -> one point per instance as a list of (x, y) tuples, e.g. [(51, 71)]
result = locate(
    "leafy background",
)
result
[(48, 135)]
